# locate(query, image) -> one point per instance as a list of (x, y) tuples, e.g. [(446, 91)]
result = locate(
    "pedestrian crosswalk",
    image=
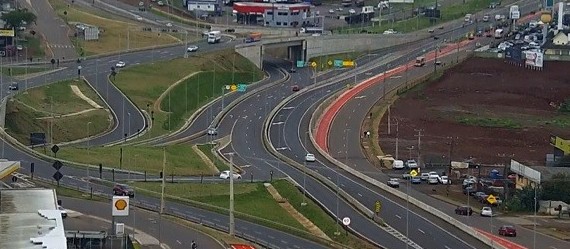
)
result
[(60, 46)]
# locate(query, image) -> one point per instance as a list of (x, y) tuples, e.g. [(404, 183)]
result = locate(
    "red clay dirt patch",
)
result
[(490, 107)]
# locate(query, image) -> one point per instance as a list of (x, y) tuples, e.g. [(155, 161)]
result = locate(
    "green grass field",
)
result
[(250, 198), (117, 33), (189, 94), (180, 159), (16, 71), (40, 109), (207, 150)]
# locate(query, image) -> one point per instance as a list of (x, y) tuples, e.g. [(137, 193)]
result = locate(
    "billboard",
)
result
[(514, 54), (534, 59), (401, 1), (7, 32)]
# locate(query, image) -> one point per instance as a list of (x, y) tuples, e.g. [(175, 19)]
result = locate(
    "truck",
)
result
[(420, 61), (214, 37), (253, 37)]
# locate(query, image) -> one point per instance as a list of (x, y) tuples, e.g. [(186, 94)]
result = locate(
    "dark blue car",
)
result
[(416, 180)]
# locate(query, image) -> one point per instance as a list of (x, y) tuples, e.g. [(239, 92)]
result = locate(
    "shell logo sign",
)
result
[(120, 206)]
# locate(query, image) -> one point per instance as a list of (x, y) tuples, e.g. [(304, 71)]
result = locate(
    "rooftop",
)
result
[(30, 219)]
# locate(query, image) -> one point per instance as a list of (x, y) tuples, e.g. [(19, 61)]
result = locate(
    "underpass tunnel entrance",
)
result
[(290, 53)]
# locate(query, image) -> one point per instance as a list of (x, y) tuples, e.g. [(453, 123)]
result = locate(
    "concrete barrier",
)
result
[(317, 115)]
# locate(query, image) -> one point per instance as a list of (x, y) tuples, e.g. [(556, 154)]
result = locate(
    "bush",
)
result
[(565, 107)]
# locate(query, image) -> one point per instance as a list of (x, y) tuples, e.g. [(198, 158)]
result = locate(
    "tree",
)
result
[(523, 199), (556, 188), (15, 18)]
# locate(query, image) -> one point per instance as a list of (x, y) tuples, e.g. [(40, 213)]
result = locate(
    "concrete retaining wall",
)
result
[(3, 112)]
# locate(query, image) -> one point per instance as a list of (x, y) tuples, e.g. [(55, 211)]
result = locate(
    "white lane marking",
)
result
[(288, 108), (178, 241), (359, 194), (360, 97), (277, 123), (421, 231), (399, 217)]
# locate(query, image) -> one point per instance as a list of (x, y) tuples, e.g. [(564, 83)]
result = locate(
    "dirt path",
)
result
[(80, 94), (489, 107), (157, 103)]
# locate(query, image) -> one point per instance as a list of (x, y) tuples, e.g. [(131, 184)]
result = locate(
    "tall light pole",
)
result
[(304, 203), (232, 221), (408, 210), (534, 218), (88, 137), (129, 122), (161, 210), (397, 137)]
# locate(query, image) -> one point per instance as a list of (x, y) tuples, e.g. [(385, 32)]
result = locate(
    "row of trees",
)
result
[(16, 18), (555, 189)]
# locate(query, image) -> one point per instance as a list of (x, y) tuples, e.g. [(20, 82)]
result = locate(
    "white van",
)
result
[(398, 164)]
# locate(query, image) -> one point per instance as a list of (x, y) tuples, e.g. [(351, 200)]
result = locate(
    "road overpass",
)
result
[(307, 47)]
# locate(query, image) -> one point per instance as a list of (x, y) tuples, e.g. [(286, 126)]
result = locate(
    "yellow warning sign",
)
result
[(233, 88), (313, 64), (413, 173), (348, 63)]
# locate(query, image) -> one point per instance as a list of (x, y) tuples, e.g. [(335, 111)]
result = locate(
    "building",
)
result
[(275, 14), (213, 7), (534, 175), (31, 219)]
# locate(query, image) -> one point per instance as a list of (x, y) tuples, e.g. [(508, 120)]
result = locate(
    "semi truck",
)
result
[(253, 37), (214, 37)]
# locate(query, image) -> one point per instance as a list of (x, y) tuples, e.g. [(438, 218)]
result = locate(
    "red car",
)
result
[(295, 88), (508, 231)]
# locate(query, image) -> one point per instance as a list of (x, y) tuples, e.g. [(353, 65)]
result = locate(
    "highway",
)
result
[(347, 129)]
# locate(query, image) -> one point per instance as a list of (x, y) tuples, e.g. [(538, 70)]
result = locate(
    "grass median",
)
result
[(448, 13), (17, 71), (116, 33), (193, 82), (251, 199), (57, 109)]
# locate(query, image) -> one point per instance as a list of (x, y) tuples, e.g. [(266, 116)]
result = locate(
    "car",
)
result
[(331, 11), (62, 211), (13, 87), (123, 190), (226, 175), (424, 176), (192, 48), (477, 195), (169, 24), (411, 164), (485, 18), (352, 11), (507, 230), (292, 70), (444, 180), (469, 190), (416, 180), (19, 47), (437, 62), (339, 9), (389, 32), (431, 30), (398, 164), (406, 175), (295, 88), (120, 64), (464, 210), (487, 211), (160, 3), (139, 18), (310, 157), (433, 180), (394, 183), (212, 131)]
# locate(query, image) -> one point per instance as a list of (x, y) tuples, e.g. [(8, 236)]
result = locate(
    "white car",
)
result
[(394, 183), (120, 64), (444, 180), (226, 175), (389, 32), (139, 18), (352, 11), (212, 131), (331, 11), (192, 48), (487, 211), (160, 3), (310, 157), (169, 24), (411, 164), (63, 211), (19, 47)]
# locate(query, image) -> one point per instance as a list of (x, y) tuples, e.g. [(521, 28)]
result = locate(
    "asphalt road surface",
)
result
[(174, 235), (53, 29)]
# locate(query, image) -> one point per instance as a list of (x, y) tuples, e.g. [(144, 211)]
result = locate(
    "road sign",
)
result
[(57, 176), (348, 63), (55, 149), (377, 207), (57, 165), (338, 63), (227, 87), (491, 199), (313, 64), (120, 206), (413, 173), (241, 87), (346, 221), (233, 88), (330, 63), (300, 64)]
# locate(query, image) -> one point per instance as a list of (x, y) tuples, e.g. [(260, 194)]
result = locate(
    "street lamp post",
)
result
[(304, 203), (88, 137), (128, 113), (232, 220)]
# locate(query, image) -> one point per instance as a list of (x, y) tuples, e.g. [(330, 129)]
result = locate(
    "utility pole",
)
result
[(419, 135), (162, 195), (232, 221), (389, 120), (451, 143), (397, 137)]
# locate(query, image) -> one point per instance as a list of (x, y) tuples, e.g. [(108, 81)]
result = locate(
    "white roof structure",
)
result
[(30, 219)]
